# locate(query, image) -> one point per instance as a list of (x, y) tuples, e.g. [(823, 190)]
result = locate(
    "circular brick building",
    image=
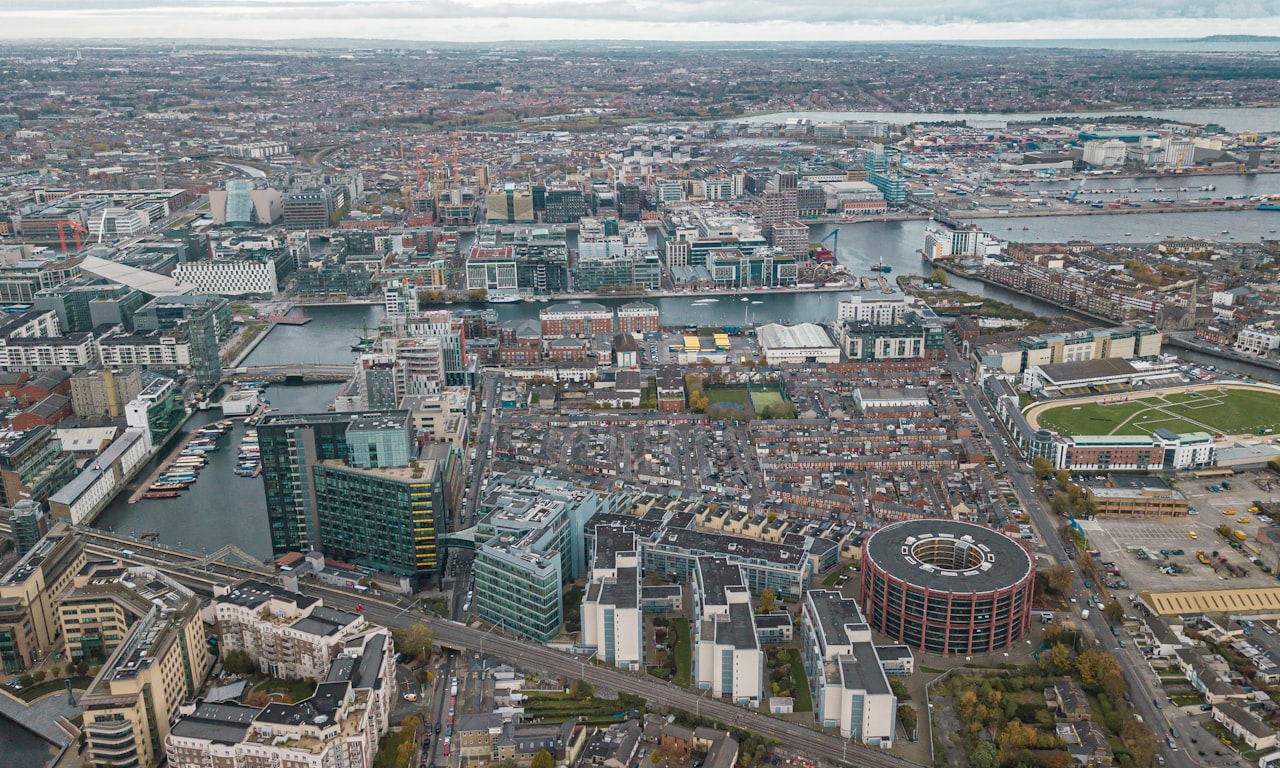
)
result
[(947, 587)]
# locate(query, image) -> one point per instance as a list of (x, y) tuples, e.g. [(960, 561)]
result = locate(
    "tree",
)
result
[(698, 402), (1042, 467), (581, 689), (907, 716), (1113, 611), (768, 600), (984, 755), (413, 640), (237, 662), (1057, 579), (1095, 665), (543, 760), (1063, 477), (939, 275), (1140, 742)]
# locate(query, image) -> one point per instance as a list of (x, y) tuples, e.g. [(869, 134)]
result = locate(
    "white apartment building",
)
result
[(150, 350), (287, 634), (728, 658), (118, 222), (340, 725), (849, 687), (231, 277), (1257, 341), (612, 624), (70, 352), (877, 311)]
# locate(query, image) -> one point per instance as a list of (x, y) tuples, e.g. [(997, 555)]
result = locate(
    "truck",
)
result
[(1085, 614)]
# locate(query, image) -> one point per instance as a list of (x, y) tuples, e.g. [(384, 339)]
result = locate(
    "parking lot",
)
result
[(1119, 540)]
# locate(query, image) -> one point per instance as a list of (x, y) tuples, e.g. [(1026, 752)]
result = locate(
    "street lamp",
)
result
[(583, 674), (697, 704)]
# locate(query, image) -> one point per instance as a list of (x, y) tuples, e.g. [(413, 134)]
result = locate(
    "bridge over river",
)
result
[(289, 374)]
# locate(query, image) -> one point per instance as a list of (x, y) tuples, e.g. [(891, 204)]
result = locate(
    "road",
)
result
[(526, 656), (1141, 680)]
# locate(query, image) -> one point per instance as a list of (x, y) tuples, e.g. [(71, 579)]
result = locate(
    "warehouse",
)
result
[(803, 343)]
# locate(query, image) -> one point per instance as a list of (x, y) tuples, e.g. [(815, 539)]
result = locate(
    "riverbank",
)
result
[(622, 295), (1189, 341), (1034, 213)]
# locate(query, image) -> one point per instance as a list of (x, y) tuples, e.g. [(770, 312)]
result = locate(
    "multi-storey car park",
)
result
[(947, 587)]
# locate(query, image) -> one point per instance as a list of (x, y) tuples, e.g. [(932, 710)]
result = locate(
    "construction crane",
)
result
[(1079, 187), (834, 237), (406, 189), (76, 231)]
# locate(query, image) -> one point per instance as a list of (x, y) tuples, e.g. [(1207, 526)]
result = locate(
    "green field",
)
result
[(761, 399), (727, 395), (1232, 412)]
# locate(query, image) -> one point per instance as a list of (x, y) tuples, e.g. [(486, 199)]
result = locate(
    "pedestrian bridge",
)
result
[(289, 374)]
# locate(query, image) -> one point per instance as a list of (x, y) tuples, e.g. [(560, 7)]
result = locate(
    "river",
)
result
[(22, 748), (1232, 119)]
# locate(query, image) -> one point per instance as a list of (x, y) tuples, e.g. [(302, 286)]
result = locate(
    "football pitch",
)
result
[(1226, 409)]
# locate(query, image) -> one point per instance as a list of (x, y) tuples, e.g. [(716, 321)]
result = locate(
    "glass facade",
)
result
[(371, 519)]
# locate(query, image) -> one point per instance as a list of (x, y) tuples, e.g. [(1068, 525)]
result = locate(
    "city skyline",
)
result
[(521, 20)]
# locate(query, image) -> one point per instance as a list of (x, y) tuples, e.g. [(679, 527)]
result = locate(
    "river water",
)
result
[(22, 748), (1234, 120)]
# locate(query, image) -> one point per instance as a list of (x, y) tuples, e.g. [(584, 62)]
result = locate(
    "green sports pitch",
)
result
[(1227, 410)]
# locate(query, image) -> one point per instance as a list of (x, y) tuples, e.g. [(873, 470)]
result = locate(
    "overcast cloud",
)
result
[(480, 20)]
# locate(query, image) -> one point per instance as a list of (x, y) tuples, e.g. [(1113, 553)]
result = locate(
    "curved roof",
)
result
[(1004, 562)]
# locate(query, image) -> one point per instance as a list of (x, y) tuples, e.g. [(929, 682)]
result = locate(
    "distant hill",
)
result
[(1236, 39)]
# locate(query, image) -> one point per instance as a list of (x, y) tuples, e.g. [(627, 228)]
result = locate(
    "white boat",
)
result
[(506, 298), (705, 301)]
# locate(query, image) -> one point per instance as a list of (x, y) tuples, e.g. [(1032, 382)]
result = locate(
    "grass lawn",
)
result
[(801, 701), (298, 690), (760, 399), (684, 651), (1235, 412), (727, 395)]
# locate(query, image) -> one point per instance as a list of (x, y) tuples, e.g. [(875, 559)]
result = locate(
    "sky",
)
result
[(700, 20)]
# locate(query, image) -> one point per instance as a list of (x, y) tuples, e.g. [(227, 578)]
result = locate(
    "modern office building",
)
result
[(204, 319), (388, 518), (81, 498), (351, 485), (158, 409), (532, 531), (28, 524), (29, 626), (86, 303), (846, 678), (612, 622), (512, 204), (728, 658), (947, 587), (310, 209), (287, 634), (160, 663), (339, 726)]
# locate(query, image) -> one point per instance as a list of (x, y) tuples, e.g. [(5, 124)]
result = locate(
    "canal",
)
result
[(221, 507)]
